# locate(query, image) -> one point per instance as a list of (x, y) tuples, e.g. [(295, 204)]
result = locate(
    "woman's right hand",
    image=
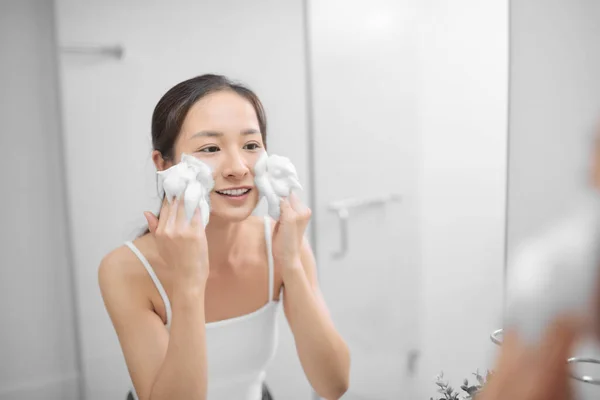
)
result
[(181, 244)]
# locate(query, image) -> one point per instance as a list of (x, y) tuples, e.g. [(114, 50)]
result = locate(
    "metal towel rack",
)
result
[(116, 51), (342, 209)]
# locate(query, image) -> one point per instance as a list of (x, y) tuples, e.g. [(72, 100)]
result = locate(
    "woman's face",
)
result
[(222, 130)]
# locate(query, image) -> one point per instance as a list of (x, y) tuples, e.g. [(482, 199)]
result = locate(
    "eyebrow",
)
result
[(245, 132)]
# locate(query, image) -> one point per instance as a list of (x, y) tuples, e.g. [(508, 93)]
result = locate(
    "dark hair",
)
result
[(173, 107)]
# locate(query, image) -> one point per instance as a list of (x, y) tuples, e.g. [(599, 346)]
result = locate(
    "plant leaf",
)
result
[(472, 389)]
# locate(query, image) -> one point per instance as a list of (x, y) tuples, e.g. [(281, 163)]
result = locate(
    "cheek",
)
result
[(220, 161), (251, 160), (212, 160)]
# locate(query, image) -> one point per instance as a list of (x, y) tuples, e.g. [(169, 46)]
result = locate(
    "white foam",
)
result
[(275, 178), (191, 178)]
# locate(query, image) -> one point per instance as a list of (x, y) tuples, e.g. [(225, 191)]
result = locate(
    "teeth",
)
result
[(234, 192)]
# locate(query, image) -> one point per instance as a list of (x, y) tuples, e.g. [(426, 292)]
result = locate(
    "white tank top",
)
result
[(238, 349)]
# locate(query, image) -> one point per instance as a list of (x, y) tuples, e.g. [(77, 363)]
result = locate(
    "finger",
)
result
[(276, 227), (509, 365), (548, 372), (172, 213), (286, 209), (559, 339), (152, 221), (556, 347), (196, 223), (181, 217), (511, 351), (163, 215), (297, 204)]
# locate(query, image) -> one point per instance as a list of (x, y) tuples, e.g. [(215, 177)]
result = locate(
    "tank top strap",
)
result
[(159, 286), (269, 242)]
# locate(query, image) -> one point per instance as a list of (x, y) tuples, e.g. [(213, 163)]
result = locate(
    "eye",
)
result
[(251, 146), (209, 149)]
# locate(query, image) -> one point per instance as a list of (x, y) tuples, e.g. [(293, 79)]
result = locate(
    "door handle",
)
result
[(342, 209)]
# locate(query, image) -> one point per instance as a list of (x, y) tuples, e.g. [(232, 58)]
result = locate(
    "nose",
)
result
[(235, 167)]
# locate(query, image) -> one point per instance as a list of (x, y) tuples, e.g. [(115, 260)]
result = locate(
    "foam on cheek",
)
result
[(255, 157), (192, 179), (276, 178), (211, 162)]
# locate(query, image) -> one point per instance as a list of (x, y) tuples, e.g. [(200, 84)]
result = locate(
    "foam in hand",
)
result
[(191, 178), (275, 178)]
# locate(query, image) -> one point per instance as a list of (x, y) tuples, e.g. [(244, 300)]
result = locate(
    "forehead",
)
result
[(223, 111)]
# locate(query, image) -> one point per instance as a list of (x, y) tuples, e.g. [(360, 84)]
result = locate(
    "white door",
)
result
[(363, 68)]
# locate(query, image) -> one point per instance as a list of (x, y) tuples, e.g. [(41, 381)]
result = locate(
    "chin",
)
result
[(238, 215), (226, 210)]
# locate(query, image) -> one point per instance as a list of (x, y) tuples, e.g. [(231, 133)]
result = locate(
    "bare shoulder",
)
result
[(117, 265), (120, 271), (138, 327)]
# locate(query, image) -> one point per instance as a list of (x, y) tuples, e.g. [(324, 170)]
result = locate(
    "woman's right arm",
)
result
[(163, 365)]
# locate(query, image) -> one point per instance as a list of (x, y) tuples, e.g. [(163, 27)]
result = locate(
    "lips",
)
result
[(233, 192)]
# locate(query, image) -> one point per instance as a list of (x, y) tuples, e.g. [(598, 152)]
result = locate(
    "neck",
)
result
[(221, 236)]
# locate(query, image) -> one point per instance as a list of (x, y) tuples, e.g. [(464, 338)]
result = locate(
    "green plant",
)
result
[(467, 392)]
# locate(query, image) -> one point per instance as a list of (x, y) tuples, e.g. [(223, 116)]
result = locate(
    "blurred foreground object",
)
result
[(535, 372)]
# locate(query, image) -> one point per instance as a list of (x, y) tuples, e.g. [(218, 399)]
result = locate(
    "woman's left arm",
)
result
[(323, 353)]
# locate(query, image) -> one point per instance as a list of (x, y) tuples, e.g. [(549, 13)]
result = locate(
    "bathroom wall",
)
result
[(463, 116), (37, 329), (554, 108)]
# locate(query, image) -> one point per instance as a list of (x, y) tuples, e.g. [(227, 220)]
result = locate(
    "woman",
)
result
[(195, 309)]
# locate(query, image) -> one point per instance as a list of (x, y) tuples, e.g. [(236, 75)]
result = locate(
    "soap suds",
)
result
[(191, 178), (275, 178)]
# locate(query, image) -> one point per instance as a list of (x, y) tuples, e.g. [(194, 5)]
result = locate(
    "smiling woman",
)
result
[(194, 117), (195, 309)]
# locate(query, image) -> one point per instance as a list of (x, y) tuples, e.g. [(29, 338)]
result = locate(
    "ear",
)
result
[(159, 162)]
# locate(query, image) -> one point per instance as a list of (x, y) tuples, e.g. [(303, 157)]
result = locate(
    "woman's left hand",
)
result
[(289, 232)]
